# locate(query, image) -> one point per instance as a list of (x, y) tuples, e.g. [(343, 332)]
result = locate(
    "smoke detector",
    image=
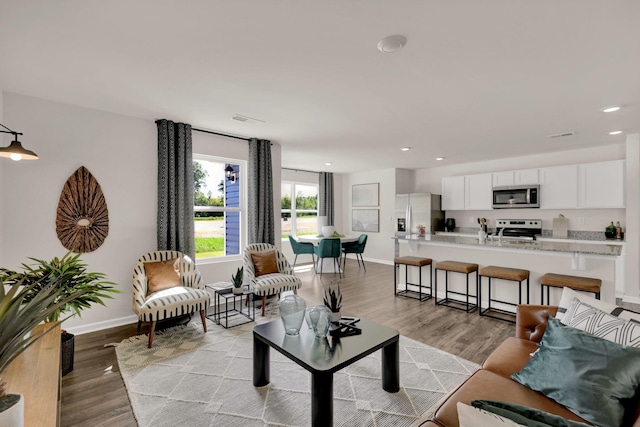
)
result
[(392, 44)]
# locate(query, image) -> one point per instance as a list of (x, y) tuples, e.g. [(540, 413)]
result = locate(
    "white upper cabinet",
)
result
[(478, 192), (559, 187), (520, 177), (602, 184), (453, 193)]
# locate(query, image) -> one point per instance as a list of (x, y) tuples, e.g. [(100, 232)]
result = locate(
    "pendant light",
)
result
[(15, 151)]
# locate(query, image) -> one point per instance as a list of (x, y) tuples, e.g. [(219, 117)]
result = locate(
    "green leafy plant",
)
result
[(22, 309), (237, 278), (76, 287), (333, 299)]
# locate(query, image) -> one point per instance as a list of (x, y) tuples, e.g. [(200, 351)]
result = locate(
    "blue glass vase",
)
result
[(292, 309)]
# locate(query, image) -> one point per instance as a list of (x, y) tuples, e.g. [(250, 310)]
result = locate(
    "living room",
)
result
[(115, 137)]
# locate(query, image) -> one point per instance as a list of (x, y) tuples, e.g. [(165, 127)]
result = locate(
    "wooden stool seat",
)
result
[(456, 266), (465, 268), (577, 283), (502, 273), (412, 260)]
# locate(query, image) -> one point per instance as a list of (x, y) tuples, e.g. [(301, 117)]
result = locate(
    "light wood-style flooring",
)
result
[(93, 394)]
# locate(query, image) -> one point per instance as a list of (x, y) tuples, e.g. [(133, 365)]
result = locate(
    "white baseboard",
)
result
[(98, 326), (631, 299)]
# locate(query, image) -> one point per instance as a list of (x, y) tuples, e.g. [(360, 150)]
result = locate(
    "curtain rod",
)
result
[(300, 170), (221, 134)]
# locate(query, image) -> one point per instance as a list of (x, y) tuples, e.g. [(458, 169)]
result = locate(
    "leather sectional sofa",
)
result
[(492, 381)]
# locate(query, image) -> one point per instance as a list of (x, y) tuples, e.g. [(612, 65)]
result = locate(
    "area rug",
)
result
[(205, 379)]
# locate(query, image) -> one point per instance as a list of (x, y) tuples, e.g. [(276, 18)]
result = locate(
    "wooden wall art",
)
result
[(82, 220)]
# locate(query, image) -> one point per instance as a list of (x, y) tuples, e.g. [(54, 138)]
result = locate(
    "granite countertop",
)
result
[(590, 248)]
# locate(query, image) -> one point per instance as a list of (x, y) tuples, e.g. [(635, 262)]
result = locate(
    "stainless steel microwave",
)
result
[(516, 196)]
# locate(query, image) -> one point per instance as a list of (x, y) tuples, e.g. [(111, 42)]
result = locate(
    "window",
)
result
[(301, 216), (218, 212)]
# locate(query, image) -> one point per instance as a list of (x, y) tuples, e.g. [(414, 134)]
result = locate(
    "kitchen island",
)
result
[(598, 259)]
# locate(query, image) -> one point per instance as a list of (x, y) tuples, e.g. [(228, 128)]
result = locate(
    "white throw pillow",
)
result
[(468, 416), (569, 294), (596, 322)]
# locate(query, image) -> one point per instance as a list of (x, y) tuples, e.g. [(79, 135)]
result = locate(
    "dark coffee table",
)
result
[(316, 356)]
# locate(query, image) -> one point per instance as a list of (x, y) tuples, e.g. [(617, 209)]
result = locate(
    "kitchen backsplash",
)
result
[(577, 234)]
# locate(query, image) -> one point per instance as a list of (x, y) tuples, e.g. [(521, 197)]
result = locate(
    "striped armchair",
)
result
[(171, 302), (269, 284)]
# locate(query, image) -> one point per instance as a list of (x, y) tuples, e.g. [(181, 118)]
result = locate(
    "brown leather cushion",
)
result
[(162, 275), (264, 262), (510, 357), (457, 266), (485, 385), (586, 284), (412, 260), (504, 273)]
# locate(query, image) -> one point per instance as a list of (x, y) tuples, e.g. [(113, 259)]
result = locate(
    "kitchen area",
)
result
[(525, 219)]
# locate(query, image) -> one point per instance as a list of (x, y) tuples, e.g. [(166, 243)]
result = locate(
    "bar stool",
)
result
[(414, 262), (584, 284), (456, 267), (504, 273)]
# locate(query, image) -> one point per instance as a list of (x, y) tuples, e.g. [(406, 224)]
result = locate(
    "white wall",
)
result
[(2, 162), (379, 245), (121, 153), (632, 247)]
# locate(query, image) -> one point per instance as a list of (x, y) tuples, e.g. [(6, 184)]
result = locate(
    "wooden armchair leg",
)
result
[(264, 302), (203, 316), (152, 329)]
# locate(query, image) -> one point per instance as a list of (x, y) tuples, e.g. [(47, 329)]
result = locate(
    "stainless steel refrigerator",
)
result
[(415, 209)]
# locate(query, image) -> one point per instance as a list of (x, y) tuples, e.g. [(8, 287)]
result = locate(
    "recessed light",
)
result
[(392, 44), (328, 163), (615, 132), (439, 158), (405, 148), (610, 109)]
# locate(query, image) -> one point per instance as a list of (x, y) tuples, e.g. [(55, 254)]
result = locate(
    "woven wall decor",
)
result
[(82, 220)]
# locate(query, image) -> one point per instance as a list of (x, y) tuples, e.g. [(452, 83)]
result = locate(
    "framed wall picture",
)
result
[(365, 220), (365, 195)]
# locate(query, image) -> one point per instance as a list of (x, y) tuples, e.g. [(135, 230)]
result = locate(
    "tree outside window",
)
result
[(300, 217)]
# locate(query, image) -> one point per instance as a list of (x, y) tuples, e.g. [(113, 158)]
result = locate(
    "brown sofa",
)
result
[(492, 381)]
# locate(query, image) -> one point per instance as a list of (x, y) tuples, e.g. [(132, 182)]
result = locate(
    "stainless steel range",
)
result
[(519, 228)]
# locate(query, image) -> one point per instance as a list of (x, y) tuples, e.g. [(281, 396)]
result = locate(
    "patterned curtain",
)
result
[(175, 188), (326, 196), (260, 193)]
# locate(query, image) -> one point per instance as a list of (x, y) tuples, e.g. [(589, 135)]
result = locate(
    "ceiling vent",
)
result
[(245, 119), (562, 135)]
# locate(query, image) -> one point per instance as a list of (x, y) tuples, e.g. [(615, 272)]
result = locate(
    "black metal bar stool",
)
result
[(503, 273), (414, 262), (457, 267), (583, 284)]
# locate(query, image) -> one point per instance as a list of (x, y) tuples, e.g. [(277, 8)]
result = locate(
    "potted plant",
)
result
[(20, 311), (237, 280), (77, 288), (333, 301)]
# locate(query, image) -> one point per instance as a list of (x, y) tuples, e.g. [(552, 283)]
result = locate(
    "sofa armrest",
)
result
[(531, 321)]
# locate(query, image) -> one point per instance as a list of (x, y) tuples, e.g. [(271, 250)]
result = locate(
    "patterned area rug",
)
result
[(197, 379)]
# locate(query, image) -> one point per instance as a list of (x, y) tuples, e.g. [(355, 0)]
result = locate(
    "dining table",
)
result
[(328, 266)]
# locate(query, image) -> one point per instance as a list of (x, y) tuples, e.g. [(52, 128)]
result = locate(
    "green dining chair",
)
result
[(356, 248), (329, 248), (300, 248)]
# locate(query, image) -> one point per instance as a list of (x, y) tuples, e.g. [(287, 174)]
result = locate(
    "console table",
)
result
[(36, 374)]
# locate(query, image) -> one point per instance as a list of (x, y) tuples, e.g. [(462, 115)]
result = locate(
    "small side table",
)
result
[(229, 306)]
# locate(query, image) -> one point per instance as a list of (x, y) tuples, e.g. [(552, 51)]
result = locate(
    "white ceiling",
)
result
[(477, 79)]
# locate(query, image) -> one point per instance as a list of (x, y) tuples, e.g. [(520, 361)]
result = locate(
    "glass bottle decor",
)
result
[(292, 309), (320, 317)]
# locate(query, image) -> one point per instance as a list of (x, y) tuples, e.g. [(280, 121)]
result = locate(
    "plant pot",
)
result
[(68, 346), (328, 230), (335, 316), (238, 291), (12, 410)]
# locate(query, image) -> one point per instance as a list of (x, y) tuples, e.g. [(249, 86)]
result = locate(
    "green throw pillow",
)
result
[(523, 415), (591, 376)]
